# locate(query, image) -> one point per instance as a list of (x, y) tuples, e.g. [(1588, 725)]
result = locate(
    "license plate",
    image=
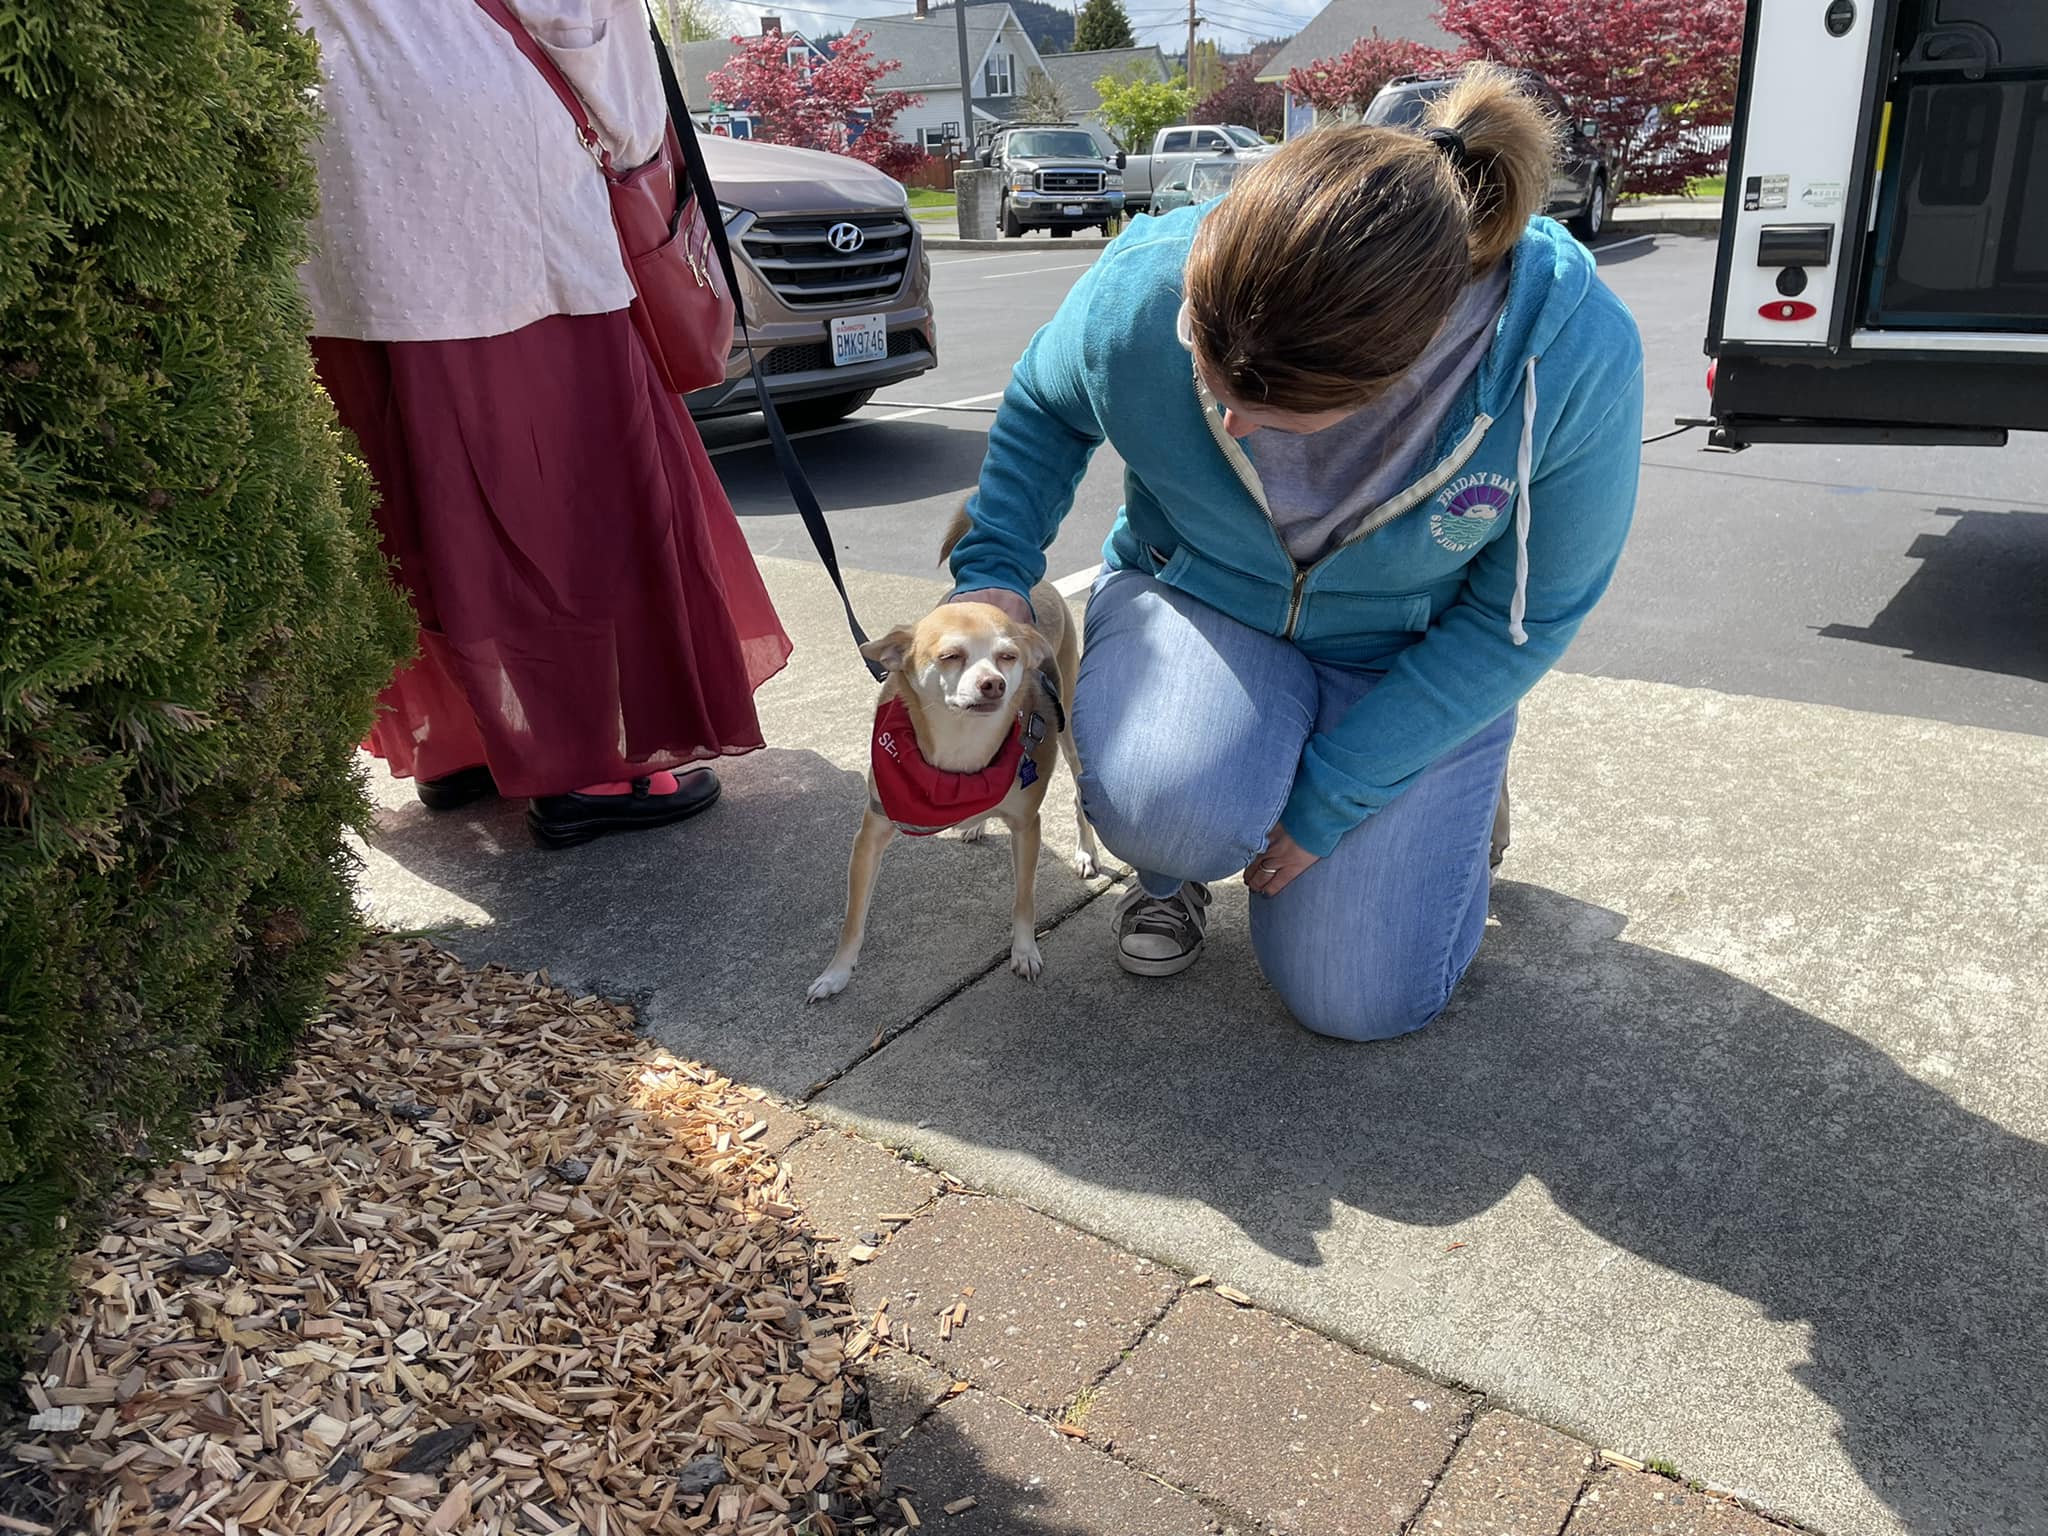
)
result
[(1071, 210), (859, 339)]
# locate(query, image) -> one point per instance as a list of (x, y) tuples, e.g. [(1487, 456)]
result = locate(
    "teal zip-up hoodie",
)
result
[(1463, 589)]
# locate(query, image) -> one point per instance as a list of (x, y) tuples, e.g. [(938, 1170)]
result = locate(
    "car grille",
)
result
[(1089, 182), (796, 258), (815, 356)]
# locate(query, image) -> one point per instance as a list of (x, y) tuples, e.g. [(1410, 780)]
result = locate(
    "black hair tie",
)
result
[(1452, 143)]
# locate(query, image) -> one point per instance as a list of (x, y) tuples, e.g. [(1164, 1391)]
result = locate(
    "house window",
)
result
[(996, 77), (933, 139)]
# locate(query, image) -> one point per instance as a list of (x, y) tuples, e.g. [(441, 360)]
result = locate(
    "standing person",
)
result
[(591, 621), (1381, 427)]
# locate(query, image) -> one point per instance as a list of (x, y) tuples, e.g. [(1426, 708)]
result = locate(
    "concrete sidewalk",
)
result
[(1729, 1153)]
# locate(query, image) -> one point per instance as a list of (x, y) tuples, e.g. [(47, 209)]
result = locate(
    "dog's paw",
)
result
[(974, 831), (831, 984), (1026, 961), (1086, 864)]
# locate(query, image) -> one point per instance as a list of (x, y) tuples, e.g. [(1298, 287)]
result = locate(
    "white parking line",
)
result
[(1620, 245), (941, 263), (1079, 582), (1034, 271), (857, 421)]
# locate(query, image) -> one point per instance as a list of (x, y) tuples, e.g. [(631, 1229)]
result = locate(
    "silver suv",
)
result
[(834, 277)]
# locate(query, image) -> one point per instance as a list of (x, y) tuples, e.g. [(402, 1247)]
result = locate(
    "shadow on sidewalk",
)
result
[(716, 927), (1677, 1112)]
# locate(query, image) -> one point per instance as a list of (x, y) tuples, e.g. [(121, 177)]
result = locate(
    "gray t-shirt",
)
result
[(1321, 485)]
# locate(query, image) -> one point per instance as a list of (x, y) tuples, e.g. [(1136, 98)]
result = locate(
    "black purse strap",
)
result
[(785, 455)]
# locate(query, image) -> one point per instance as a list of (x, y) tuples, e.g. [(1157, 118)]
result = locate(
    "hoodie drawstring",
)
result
[(1525, 454)]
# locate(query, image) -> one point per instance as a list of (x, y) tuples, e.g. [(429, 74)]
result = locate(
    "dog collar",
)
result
[(921, 799)]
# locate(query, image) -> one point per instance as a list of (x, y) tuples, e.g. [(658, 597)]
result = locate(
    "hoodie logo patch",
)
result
[(1467, 509)]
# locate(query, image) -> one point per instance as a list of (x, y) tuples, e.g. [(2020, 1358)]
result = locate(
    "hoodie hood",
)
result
[(1550, 276)]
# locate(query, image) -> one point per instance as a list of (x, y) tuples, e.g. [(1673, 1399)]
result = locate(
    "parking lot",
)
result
[(1900, 581)]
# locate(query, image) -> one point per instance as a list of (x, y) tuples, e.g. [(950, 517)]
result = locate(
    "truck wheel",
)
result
[(1012, 230), (803, 415), (1587, 226)]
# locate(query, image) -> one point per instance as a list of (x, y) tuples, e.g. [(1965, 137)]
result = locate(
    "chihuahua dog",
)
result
[(966, 729)]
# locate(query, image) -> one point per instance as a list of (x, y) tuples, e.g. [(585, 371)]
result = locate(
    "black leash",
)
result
[(785, 456)]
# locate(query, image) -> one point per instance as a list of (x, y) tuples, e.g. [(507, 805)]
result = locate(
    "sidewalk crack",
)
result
[(1474, 1406)]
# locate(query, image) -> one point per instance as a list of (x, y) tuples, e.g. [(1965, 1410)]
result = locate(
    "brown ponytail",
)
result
[(1510, 150), (1325, 273)]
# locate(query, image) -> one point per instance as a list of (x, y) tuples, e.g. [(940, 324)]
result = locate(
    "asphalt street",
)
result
[(1902, 581)]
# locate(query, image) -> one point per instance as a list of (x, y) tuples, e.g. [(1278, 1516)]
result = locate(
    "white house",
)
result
[(1336, 27), (927, 51)]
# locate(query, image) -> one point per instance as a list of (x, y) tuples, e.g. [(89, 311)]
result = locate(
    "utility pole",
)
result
[(1192, 20), (967, 79)]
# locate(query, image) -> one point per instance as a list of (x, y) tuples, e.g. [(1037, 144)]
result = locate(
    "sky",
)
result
[(1236, 24)]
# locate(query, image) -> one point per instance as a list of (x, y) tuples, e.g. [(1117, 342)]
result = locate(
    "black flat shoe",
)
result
[(563, 821), (456, 790)]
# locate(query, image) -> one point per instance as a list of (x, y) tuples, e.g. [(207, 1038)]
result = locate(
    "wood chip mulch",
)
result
[(484, 1260)]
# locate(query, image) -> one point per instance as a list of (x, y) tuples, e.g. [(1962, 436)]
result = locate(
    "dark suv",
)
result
[(1579, 190)]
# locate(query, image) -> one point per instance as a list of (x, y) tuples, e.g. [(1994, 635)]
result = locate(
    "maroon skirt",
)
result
[(589, 610)]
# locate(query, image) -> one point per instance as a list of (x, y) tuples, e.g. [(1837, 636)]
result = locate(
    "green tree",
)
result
[(1136, 106), (1206, 77), (194, 614), (1103, 24)]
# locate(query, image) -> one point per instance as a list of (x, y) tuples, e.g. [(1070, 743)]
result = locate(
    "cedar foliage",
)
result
[(194, 615)]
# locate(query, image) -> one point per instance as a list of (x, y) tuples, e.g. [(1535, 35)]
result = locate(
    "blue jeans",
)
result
[(1190, 727)]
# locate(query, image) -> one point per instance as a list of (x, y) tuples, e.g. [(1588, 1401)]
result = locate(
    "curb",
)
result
[(1708, 224), (1072, 243)]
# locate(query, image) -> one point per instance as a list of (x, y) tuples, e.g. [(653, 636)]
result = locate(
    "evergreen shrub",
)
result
[(194, 615)]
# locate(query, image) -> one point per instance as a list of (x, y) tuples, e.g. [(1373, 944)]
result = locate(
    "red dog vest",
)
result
[(922, 799)]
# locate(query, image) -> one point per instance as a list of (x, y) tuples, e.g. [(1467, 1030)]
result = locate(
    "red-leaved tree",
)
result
[(1351, 80), (1649, 73), (1242, 99), (822, 105)]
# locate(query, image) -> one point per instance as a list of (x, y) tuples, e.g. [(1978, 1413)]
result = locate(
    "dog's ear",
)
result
[(892, 649), (1037, 649)]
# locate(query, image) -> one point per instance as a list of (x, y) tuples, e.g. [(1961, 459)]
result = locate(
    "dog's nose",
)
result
[(992, 687)]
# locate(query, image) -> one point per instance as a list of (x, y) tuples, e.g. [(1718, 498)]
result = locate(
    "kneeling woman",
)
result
[(1381, 426)]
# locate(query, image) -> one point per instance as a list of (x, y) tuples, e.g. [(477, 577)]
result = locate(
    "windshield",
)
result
[(1212, 180), (1073, 143), (1243, 138), (1403, 108)]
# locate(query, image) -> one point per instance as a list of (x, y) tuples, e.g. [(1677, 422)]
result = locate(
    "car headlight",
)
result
[(728, 213), (1113, 182), (1023, 181)]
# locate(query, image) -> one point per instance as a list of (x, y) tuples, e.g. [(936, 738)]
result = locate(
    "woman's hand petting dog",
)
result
[(1272, 871), (1009, 602)]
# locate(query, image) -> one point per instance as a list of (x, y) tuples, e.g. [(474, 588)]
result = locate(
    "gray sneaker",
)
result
[(1161, 935)]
